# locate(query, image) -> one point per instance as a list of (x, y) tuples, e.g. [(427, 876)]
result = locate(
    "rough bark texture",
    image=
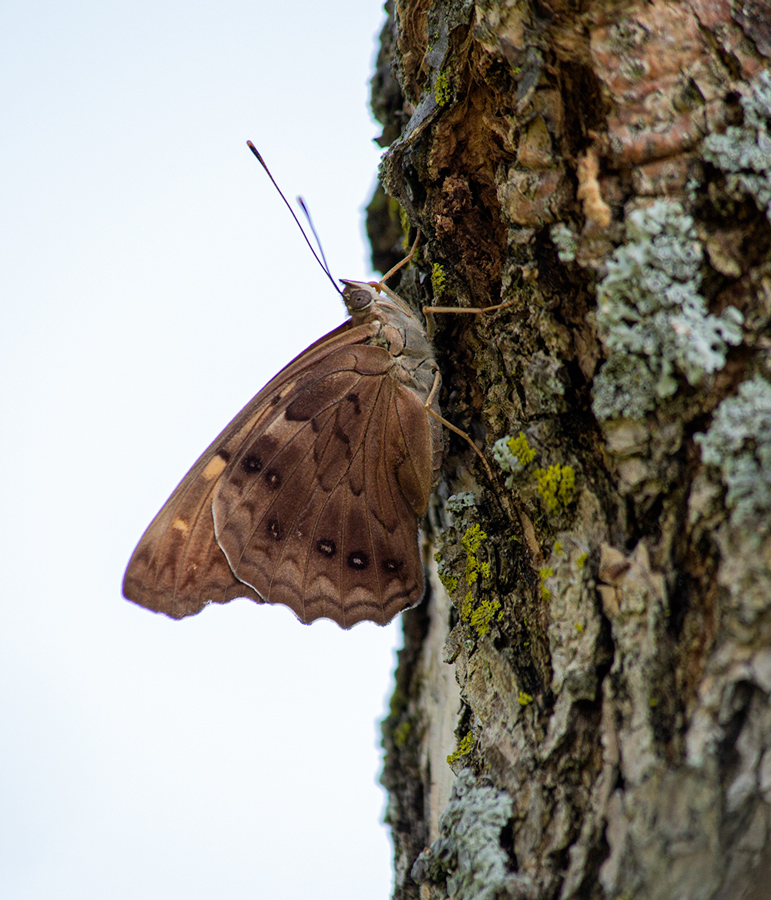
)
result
[(605, 168)]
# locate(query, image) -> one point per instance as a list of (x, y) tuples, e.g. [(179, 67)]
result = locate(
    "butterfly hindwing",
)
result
[(312, 513)]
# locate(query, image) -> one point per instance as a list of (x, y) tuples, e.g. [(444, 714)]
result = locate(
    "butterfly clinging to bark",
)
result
[(311, 497)]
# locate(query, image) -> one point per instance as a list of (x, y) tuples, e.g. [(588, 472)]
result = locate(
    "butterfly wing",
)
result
[(295, 502), (319, 511)]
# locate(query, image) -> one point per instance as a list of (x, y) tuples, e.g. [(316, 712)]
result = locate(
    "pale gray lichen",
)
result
[(743, 152), (458, 504), (565, 242), (468, 854), (651, 317), (738, 442)]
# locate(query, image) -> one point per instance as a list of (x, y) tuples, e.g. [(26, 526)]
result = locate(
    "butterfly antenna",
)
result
[(312, 227), (323, 265)]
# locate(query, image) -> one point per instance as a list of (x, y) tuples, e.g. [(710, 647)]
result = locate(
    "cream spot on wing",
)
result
[(214, 467), (180, 525)]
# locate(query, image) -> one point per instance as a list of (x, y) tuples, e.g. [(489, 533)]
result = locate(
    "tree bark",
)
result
[(595, 654)]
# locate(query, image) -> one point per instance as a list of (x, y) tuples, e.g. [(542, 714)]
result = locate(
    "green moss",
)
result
[(738, 443), (513, 455), (651, 317), (402, 732), (744, 151), (442, 90), (556, 486), (405, 223), (438, 279), (464, 747)]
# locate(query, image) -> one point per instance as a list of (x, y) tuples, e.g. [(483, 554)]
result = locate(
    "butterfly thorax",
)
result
[(399, 331)]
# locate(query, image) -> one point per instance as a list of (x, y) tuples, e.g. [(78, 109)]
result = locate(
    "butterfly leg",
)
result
[(454, 428), (469, 310), (399, 265)]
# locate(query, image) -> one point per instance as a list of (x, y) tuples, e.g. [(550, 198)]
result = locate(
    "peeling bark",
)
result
[(603, 609)]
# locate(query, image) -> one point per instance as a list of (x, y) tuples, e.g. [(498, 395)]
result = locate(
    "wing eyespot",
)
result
[(274, 529), (251, 464), (273, 479), (326, 547), (358, 560)]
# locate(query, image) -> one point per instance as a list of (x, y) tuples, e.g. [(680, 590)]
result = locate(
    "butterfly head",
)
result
[(359, 296), (370, 299)]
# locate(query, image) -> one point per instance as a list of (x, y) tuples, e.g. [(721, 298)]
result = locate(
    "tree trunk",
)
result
[(604, 603)]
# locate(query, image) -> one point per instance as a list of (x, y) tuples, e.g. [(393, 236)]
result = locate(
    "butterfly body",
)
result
[(311, 497)]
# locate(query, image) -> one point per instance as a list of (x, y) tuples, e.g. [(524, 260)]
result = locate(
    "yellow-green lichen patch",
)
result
[(449, 580), (442, 90), (438, 279), (472, 541), (513, 455), (464, 747), (556, 486), (483, 615), (524, 699), (581, 560), (544, 573)]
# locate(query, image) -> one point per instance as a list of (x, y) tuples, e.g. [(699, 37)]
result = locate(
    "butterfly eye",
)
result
[(359, 299)]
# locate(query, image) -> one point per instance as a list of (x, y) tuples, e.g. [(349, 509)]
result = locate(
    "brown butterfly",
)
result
[(312, 495)]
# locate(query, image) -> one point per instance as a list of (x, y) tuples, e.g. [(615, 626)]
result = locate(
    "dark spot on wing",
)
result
[(223, 455), (274, 529), (358, 560), (251, 464), (273, 479), (354, 399), (391, 565), (326, 547)]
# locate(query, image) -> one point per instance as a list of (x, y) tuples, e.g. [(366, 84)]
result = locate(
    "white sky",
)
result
[(151, 283)]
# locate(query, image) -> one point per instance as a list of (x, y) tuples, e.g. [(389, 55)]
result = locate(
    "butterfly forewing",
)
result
[(177, 568)]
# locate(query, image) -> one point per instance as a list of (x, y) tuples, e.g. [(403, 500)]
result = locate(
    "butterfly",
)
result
[(311, 497)]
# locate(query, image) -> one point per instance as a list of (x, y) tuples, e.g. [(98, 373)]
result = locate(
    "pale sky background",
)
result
[(151, 283)]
